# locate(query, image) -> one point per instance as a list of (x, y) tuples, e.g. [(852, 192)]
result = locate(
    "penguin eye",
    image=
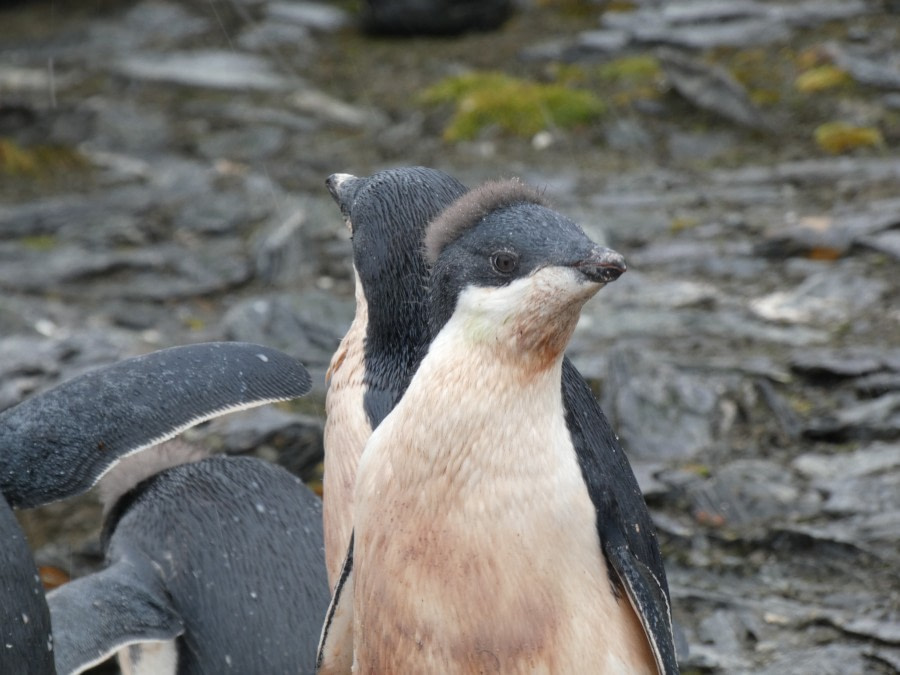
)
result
[(505, 262)]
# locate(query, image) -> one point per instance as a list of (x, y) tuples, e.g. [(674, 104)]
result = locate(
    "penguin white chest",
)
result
[(346, 431), (477, 547)]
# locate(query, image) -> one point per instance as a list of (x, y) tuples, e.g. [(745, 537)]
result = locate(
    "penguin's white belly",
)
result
[(346, 431), (487, 561)]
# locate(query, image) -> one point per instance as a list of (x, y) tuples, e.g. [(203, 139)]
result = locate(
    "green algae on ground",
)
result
[(16, 160), (821, 78), (840, 137), (520, 107)]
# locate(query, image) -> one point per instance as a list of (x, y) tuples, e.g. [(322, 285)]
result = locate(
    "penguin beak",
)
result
[(601, 265), (343, 188)]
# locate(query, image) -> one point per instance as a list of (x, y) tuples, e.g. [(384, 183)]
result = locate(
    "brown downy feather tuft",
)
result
[(469, 209)]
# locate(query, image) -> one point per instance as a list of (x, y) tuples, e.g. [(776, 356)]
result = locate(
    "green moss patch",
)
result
[(519, 107)]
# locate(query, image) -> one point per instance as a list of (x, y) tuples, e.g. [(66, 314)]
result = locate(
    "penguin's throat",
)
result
[(526, 324)]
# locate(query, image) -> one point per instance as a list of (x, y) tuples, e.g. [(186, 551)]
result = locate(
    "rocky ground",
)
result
[(161, 182)]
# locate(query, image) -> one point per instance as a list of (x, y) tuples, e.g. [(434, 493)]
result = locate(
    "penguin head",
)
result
[(514, 271), (387, 213)]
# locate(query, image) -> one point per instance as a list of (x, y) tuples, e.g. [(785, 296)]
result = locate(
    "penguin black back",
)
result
[(222, 558), (387, 213)]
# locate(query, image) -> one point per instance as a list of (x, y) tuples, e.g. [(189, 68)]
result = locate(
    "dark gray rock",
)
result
[(312, 15), (830, 659), (886, 242), (434, 17), (307, 325), (747, 493), (211, 69), (871, 419), (830, 296), (250, 144), (711, 88), (660, 412), (882, 71), (291, 440), (849, 362), (266, 35)]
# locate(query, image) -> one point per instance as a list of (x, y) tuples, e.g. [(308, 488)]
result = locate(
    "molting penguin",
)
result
[(386, 213), (213, 566), (59, 443), (488, 534)]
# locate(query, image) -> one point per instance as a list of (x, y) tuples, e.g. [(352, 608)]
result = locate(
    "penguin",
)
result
[(26, 640), (375, 359), (498, 445), (59, 443), (212, 566)]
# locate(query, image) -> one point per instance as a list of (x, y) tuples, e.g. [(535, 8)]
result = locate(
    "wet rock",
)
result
[(700, 25), (307, 325), (162, 272), (877, 384), (221, 213), (266, 35), (884, 71), (750, 492), (832, 232), (832, 659), (884, 656), (313, 15), (627, 135), (122, 126), (212, 69), (829, 296), (866, 480), (699, 146), (291, 440), (606, 41), (886, 242), (331, 110), (434, 17), (711, 88), (875, 418), (250, 144), (849, 362), (660, 413)]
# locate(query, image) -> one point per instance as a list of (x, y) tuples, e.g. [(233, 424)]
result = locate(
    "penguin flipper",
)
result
[(649, 601), (335, 653), (59, 443), (95, 616)]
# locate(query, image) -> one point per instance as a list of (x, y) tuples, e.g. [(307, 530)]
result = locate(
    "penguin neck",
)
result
[(396, 331), (471, 416)]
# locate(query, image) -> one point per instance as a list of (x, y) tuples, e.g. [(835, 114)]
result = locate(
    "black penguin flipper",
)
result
[(650, 603), (335, 653), (95, 616), (624, 527), (25, 639), (59, 443)]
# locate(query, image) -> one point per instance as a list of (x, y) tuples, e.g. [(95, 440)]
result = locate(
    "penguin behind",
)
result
[(476, 542), (212, 566), (386, 213), (624, 526), (59, 443)]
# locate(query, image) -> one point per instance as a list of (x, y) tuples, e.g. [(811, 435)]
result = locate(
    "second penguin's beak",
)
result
[(343, 188)]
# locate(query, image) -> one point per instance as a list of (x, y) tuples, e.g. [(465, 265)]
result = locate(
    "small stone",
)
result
[(213, 69)]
